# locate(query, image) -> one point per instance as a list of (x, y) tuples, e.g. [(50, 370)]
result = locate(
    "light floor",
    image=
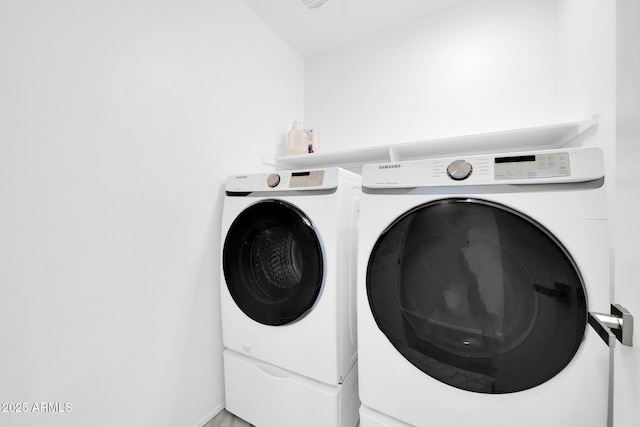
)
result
[(227, 419)]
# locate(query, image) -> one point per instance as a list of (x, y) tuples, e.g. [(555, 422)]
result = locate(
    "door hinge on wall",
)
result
[(617, 325)]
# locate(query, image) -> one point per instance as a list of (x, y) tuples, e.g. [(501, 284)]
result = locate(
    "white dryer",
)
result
[(476, 277), (288, 297)]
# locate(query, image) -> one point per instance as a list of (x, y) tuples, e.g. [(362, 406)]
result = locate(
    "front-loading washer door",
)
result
[(477, 295), (272, 262)]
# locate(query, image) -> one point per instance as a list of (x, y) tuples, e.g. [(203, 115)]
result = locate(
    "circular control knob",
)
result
[(273, 180), (459, 170)]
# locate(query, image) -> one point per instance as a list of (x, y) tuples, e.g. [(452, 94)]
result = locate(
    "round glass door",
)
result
[(272, 262), (477, 295)]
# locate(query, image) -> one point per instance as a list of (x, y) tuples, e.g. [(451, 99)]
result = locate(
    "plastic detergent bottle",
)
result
[(297, 140), (313, 141)]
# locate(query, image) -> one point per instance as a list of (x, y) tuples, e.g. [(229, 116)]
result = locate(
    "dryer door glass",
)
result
[(272, 262), (477, 296)]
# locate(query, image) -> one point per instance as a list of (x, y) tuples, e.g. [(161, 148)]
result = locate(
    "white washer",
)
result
[(288, 297), (475, 279)]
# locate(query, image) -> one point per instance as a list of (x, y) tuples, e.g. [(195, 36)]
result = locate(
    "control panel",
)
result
[(298, 179), (531, 166), (537, 167), (317, 179), (306, 179)]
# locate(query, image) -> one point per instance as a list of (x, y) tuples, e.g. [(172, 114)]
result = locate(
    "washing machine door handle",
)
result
[(615, 326)]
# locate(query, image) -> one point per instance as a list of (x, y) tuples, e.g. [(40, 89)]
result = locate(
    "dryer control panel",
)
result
[(530, 166), (537, 167)]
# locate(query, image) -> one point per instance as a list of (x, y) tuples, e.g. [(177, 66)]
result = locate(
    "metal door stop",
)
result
[(617, 325)]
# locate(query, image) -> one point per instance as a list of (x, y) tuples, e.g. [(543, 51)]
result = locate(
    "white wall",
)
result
[(119, 122), (484, 66)]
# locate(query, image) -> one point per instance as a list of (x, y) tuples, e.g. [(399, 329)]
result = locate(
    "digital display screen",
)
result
[(515, 159)]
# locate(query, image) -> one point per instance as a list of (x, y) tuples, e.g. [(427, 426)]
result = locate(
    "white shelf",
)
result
[(533, 138)]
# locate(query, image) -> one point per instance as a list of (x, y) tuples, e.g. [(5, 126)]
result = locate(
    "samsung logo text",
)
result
[(389, 166)]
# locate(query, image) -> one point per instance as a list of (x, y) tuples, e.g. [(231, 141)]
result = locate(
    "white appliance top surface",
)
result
[(533, 167)]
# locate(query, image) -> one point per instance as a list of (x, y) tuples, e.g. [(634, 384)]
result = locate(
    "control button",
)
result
[(273, 180), (459, 170)]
